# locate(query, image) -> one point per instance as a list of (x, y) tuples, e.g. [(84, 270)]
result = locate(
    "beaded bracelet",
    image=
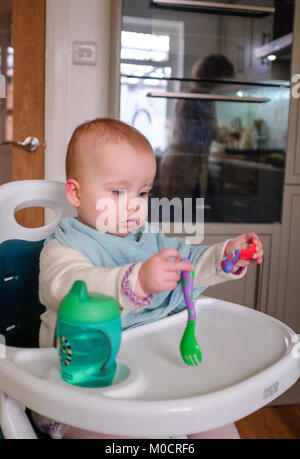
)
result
[(139, 302)]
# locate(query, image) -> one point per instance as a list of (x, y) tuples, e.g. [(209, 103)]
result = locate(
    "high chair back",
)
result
[(20, 249), (31, 193)]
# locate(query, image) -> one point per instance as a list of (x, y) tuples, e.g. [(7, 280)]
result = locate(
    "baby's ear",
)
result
[(72, 192)]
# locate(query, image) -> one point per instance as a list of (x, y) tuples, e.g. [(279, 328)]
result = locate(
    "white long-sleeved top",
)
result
[(61, 266)]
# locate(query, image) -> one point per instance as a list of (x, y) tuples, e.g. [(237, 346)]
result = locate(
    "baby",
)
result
[(110, 169)]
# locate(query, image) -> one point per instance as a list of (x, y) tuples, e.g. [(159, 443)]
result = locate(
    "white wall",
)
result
[(74, 93)]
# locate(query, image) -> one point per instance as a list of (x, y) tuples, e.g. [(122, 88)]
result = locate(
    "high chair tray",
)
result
[(249, 359)]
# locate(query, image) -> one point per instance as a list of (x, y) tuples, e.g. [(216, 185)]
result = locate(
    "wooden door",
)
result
[(25, 102)]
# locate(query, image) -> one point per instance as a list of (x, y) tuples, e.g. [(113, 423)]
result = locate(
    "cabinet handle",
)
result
[(215, 6), (200, 96), (240, 59)]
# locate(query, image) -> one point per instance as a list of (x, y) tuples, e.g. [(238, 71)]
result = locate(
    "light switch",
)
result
[(84, 52)]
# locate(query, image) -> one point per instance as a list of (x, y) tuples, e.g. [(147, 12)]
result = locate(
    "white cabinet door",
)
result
[(288, 297), (292, 173), (239, 38), (253, 289)]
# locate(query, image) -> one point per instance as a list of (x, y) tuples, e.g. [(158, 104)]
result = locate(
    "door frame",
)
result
[(28, 41)]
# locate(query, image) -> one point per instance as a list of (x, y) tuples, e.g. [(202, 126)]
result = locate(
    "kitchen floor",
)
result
[(274, 422)]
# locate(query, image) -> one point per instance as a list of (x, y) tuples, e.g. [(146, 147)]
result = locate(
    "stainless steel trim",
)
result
[(30, 143), (200, 96), (215, 5)]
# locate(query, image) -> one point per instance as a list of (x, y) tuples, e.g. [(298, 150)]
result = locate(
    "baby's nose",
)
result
[(132, 204), (137, 207), (133, 207)]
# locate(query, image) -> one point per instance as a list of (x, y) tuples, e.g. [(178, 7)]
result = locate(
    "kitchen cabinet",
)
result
[(255, 288), (261, 33), (288, 297), (288, 285), (288, 290), (240, 36), (235, 38), (292, 174)]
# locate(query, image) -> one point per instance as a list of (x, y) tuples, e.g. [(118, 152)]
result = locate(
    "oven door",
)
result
[(215, 114)]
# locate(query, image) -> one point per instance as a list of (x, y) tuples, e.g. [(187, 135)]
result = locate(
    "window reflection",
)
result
[(231, 153), (195, 128)]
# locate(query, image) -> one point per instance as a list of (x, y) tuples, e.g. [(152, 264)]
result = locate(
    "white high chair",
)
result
[(249, 359)]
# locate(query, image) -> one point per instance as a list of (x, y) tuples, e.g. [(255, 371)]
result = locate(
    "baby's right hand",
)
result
[(158, 274)]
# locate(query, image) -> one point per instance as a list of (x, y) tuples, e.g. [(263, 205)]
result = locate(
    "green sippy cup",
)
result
[(88, 334)]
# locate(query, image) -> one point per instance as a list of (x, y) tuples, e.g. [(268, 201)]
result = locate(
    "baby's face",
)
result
[(114, 196)]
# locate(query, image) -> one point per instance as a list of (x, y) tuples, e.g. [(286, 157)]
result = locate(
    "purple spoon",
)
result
[(189, 347)]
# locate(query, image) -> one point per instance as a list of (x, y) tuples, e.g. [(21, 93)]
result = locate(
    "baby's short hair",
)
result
[(106, 130)]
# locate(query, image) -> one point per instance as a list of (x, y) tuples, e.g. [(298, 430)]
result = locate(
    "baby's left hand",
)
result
[(243, 242)]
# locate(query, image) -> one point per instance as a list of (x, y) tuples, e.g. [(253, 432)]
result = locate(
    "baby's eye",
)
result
[(119, 192), (145, 194)]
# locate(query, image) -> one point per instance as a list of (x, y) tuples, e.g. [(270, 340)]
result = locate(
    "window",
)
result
[(147, 62)]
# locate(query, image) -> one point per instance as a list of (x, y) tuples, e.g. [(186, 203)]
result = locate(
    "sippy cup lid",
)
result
[(79, 306)]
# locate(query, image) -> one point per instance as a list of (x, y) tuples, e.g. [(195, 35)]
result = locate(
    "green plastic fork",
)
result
[(189, 347)]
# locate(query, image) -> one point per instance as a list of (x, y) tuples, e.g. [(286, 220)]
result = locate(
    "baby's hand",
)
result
[(158, 274), (243, 242)]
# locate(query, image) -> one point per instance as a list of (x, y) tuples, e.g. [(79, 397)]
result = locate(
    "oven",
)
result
[(208, 83)]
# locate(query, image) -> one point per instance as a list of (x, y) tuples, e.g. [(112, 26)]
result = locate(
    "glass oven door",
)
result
[(214, 110)]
